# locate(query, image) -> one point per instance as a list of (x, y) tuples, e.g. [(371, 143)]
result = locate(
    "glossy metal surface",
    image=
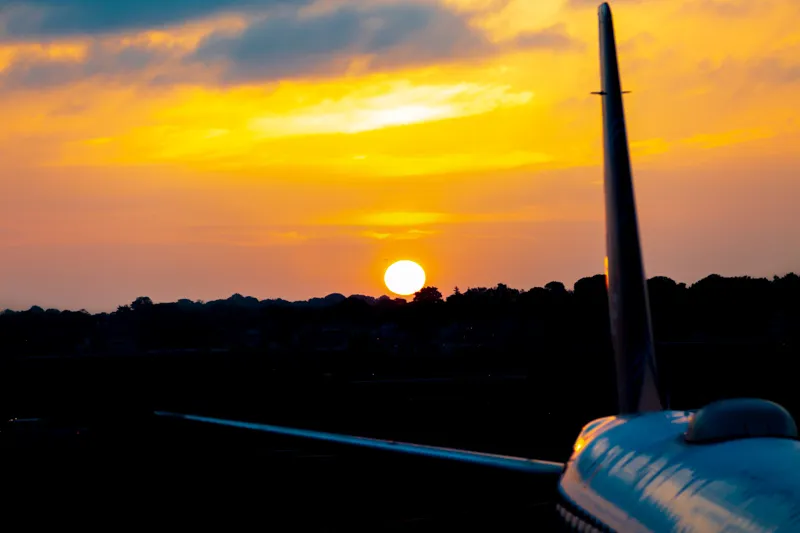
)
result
[(629, 310), (637, 473)]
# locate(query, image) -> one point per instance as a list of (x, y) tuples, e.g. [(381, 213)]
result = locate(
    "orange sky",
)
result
[(292, 148)]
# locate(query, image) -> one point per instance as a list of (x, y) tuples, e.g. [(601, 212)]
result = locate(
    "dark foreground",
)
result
[(125, 468), (162, 473)]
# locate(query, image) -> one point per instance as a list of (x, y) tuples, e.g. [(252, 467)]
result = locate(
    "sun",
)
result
[(404, 278)]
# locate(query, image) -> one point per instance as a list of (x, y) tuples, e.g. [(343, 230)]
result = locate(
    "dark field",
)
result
[(109, 467), (187, 475), (516, 411), (104, 459)]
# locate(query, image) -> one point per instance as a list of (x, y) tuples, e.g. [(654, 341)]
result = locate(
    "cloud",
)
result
[(37, 71), (402, 104), (401, 218), (775, 71), (554, 38), (380, 37), (408, 235), (726, 8), (68, 109), (595, 3), (637, 42), (247, 235), (288, 45), (34, 19)]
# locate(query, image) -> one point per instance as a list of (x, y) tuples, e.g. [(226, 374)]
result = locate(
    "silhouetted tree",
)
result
[(504, 295), (428, 295), (141, 303), (455, 299), (593, 287), (556, 286)]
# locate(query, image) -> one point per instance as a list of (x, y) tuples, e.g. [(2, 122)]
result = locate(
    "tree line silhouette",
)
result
[(714, 309), (478, 360)]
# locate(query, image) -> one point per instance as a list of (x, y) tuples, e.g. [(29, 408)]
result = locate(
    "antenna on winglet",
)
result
[(629, 309)]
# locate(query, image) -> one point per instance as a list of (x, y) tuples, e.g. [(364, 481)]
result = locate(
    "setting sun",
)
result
[(404, 278)]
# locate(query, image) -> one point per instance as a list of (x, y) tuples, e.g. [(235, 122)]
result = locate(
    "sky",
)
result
[(295, 148)]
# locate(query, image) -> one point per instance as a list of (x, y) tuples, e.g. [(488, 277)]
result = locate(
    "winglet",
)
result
[(629, 310)]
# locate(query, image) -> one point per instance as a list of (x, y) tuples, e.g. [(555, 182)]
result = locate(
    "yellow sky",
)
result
[(200, 156)]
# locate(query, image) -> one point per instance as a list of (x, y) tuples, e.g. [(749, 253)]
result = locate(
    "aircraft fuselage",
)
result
[(637, 473)]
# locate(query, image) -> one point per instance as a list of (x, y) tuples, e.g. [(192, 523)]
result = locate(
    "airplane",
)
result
[(731, 466)]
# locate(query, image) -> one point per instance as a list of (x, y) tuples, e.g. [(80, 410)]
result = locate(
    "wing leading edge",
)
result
[(520, 464)]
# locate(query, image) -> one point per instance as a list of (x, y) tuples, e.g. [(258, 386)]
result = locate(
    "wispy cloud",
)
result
[(773, 70), (378, 37), (401, 104), (595, 3), (726, 8), (243, 235), (404, 235), (727, 138), (42, 19), (287, 44), (37, 70)]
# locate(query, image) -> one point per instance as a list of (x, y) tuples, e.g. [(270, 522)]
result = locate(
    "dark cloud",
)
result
[(392, 35), (36, 19), (289, 45), (36, 72)]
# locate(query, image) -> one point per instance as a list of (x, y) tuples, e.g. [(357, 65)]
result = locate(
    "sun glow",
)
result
[(404, 278), (376, 106)]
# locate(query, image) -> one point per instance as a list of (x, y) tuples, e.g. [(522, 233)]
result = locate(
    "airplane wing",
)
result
[(530, 466)]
